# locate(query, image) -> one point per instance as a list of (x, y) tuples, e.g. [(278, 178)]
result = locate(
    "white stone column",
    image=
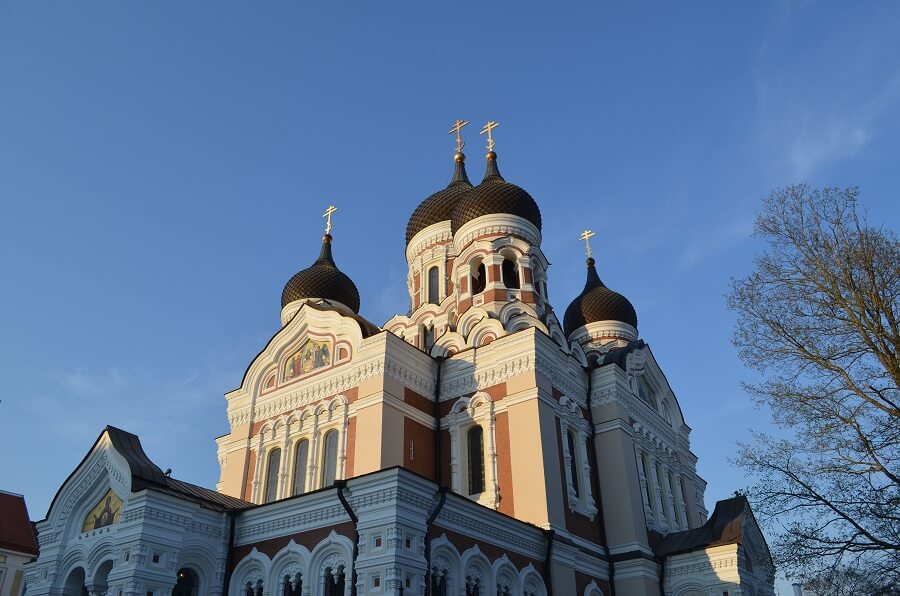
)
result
[(645, 486), (283, 489), (342, 445), (454, 457), (492, 460), (656, 494), (260, 455), (313, 457)]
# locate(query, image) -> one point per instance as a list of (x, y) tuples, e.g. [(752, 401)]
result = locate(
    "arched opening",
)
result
[(75, 583), (253, 588), (301, 454), (478, 275), (573, 463), (292, 584), (186, 583), (475, 444), (510, 272), (439, 582), (101, 585), (334, 581), (434, 288), (329, 458), (427, 337), (272, 475)]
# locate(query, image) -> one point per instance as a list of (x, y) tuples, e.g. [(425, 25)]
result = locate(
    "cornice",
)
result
[(496, 224)]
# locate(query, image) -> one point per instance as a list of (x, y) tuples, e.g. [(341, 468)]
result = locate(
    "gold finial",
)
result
[(487, 129), (586, 236), (457, 127), (331, 209)]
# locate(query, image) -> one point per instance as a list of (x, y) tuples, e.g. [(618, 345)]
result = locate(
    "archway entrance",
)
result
[(187, 583), (74, 585)]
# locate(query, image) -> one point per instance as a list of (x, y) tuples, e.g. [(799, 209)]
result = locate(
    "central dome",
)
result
[(439, 206), (495, 195), (322, 280)]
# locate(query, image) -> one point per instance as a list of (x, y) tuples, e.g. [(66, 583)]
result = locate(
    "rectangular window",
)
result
[(475, 444)]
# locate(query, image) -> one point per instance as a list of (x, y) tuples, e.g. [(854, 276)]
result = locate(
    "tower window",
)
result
[(329, 458), (433, 285), (301, 454), (272, 475), (510, 273), (475, 444), (479, 277), (427, 337), (573, 463)]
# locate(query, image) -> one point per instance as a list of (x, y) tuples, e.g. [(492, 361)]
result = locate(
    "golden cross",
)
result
[(457, 127), (487, 129), (586, 236), (331, 209)]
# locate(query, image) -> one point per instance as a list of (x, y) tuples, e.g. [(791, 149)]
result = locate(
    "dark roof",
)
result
[(617, 356), (16, 529), (439, 206), (322, 280), (597, 303), (725, 526), (495, 195), (146, 475)]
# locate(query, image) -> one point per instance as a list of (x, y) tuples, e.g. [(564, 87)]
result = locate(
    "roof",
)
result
[(147, 475), (16, 529), (597, 303), (439, 206), (322, 280), (495, 195), (725, 526)]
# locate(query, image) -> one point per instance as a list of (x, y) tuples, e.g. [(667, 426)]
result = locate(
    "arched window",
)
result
[(272, 475), (439, 582), (292, 585), (334, 581), (475, 444), (427, 337), (329, 458), (301, 454), (433, 286), (573, 463), (254, 589), (186, 583), (479, 276), (510, 273)]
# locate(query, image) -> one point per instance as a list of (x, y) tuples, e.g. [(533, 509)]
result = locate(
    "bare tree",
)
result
[(819, 318)]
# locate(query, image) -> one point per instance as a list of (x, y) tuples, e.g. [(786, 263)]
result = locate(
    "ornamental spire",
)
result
[(491, 125), (331, 209)]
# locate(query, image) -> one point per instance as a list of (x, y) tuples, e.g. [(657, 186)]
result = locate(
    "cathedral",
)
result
[(478, 445)]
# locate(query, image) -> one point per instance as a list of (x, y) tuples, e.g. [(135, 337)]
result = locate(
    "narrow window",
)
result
[(662, 491), (292, 585), (573, 463), (433, 286), (329, 458), (475, 442), (510, 273), (479, 277), (301, 454), (674, 500), (646, 473), (427, 337), (272, 475), (334, 581)]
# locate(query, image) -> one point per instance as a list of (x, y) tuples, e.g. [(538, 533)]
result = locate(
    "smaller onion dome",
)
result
[(495, 195), (439, 206), (597, 303), (322, 280)]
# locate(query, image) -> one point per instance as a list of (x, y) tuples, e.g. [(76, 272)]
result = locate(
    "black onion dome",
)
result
[(495, 195), (322, 280), (597, 303), (439, 206)]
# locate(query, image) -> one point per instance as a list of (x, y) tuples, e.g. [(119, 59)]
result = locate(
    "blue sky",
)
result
[(163, 168)]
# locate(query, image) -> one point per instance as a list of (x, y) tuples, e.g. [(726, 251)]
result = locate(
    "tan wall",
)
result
[(526, 461)]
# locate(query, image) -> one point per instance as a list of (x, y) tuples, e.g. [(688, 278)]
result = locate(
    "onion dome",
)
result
[(439, 206), (495, 195), (597, 303), (322, 280)]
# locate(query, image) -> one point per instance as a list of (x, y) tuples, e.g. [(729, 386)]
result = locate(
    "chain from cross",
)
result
[(457, 127), (331, 209), (487, 129), (586, 236)]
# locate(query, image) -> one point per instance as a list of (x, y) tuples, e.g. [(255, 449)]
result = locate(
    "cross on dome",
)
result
[(457, 127), (331, 209), (586, 236), (491, 125)]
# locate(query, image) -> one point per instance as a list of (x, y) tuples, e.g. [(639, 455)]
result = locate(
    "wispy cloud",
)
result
[(720, 238)]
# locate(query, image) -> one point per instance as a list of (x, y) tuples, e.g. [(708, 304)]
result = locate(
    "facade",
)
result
[(476, 445), (18, 544)]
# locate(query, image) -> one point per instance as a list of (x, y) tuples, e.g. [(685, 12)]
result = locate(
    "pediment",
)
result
[(314, 341)]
